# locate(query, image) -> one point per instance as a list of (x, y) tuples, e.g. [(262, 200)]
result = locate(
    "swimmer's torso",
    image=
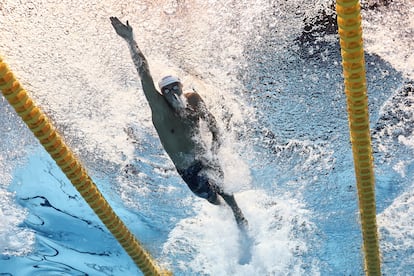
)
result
[(179, 135)]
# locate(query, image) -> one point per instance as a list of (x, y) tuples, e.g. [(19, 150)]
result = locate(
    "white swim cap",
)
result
[(168, 80)]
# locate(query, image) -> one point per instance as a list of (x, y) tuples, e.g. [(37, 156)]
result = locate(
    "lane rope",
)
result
[(353, 62)]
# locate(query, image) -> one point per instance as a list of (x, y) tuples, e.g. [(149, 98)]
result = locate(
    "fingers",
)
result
[(124, 31), (115, 21)]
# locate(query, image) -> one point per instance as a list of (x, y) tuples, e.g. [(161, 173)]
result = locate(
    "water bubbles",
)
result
[(170, 7), (22, 240)]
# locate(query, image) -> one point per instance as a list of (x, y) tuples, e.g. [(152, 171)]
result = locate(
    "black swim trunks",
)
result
[(199, 183)]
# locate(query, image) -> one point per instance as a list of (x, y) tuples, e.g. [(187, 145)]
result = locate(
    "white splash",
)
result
[(213, 244), (15, 239)]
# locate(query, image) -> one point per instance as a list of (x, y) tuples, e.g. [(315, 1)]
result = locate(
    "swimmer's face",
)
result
[(175, 88), (172, 94)]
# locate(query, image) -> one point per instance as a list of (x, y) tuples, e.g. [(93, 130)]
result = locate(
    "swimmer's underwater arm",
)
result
[(215, 131), (212, 125)]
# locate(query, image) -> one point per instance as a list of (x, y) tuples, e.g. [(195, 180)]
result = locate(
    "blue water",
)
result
[(276, 90)]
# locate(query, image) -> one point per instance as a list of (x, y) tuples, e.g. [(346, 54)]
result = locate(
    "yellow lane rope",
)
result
[(350, 32), (42, 128)]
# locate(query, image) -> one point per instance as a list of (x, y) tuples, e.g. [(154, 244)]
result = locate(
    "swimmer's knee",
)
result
[(214, 199), (210, 196)]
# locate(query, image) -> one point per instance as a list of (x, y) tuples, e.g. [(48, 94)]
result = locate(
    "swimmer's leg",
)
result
[(214, 199), (238, 215)]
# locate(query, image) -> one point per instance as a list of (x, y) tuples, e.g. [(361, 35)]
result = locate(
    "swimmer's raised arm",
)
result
[(140, 62)]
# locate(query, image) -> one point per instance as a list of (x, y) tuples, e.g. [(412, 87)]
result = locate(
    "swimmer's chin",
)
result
[(178, 104)]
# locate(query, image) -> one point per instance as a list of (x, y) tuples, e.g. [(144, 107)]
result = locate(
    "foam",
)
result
[(397, 234), (15, 240), (210, 242), (391, 25)]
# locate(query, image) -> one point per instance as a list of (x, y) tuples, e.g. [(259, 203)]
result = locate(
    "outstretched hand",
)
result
[(124, 31)]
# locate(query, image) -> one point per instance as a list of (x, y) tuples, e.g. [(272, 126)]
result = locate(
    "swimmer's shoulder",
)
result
[(193, 98)]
